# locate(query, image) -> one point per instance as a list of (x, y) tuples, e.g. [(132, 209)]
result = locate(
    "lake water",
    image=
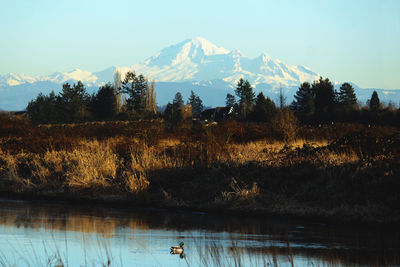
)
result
[(40, 234)]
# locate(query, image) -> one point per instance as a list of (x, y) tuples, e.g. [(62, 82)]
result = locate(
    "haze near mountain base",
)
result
[(193, 64)]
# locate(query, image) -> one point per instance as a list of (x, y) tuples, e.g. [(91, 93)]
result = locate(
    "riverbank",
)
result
[(341, 173)]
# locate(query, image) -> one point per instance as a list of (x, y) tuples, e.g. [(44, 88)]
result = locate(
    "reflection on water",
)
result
[(34, 233)]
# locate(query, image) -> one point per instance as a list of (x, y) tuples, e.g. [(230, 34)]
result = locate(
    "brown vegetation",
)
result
[(343, 171)]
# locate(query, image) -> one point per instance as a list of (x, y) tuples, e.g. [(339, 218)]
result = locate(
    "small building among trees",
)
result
[(217, 114)]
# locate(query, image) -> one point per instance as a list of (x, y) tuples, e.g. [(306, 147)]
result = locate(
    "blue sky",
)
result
[(352, 40)]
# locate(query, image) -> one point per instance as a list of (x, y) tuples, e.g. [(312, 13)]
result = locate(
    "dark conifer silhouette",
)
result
[(196, 103), (264, 109), (230, 100), (104, 104), (246, 96), (346, 97), (374, 102), (74, 101), (304, 103), (324, 95)]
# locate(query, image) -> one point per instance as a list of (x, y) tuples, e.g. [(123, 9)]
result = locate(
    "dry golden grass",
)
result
[(9, 167), (136, 181), (194, 166), (338, 159), (96, 164), (256, 175), (93, 165), (274, 153), (153, 158), (169, 142)]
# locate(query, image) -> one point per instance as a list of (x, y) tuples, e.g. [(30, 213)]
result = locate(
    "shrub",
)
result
[(285, 125)]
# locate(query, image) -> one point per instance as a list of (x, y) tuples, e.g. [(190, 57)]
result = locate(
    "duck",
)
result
[(177, 249)]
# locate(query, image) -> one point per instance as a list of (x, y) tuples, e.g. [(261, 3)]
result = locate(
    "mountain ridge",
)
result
[(195, 63), (198, 59)]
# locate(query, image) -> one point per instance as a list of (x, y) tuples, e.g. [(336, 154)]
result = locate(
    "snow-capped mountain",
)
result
[(191, 60), (13, 79), (199, 60), (89, 78), (193, 64)]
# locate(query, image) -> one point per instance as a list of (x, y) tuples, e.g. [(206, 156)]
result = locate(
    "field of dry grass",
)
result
[(347, 172)]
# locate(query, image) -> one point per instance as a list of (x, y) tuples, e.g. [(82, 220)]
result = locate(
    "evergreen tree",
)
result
[(44, 109), (135, 87), (173, 112), (246, 96), (140, 93), (264, 109), (74, 101), (71, 105), (178, 100), (304, 105), (128, 87), (196, 103), (169, 112), (374, 102), (325, 99), (270, 108), (104, 103), (346, 97), (230, 100), (192, 98)]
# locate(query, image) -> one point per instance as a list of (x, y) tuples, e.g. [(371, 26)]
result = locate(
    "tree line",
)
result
[(319, 103), (315, 103), (129, 98), (135, 97)]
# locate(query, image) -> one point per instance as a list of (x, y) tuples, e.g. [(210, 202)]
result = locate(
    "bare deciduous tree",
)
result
[(117, 89), (150, 98)]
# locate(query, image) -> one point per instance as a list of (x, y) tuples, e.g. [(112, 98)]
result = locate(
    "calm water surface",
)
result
[(40, 234)]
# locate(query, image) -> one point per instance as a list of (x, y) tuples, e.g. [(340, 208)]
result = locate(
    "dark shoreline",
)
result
[(112, 201)]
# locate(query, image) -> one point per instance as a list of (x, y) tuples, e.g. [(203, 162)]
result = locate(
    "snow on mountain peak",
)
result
[(194, 50), (79, 74), (76, 75), (265, 57), (195, 59), (198, 59), (13, 79), (207, 47)]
